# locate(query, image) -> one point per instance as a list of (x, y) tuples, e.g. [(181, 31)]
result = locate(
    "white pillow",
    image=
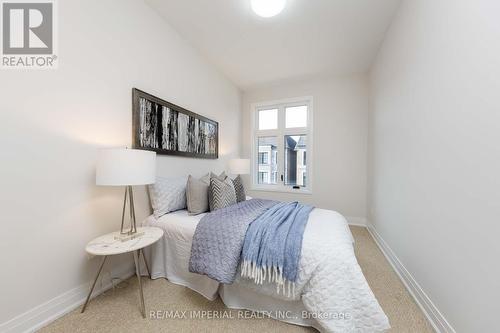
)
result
[(167, 195)]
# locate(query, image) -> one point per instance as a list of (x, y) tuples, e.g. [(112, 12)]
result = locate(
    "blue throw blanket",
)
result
[(262, 237), (273, 244), (219, 236)]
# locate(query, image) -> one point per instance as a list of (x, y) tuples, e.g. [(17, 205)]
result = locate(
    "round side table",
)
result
[(108, 245)]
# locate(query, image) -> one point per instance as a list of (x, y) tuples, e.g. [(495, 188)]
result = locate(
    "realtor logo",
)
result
[(28, 34)]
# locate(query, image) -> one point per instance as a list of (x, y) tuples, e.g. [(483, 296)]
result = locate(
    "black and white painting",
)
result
[(169, 129)]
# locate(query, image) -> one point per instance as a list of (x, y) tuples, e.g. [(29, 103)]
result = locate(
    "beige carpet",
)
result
[(118, 311)]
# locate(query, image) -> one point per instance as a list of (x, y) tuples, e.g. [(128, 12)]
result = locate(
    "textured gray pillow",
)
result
[(221, 193), (197, 194), (167, 195), (239, 189)]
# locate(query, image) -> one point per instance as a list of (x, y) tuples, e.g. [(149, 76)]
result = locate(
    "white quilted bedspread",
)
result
[(330, 282)]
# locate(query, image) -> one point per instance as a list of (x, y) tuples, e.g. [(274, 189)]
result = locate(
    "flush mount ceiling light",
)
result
[(268, 8)]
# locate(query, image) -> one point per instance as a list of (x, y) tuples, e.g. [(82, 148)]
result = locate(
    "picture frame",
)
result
[(169, 129)]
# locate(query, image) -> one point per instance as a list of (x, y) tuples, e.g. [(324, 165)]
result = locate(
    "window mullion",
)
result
[(267, 133), (281, 145)]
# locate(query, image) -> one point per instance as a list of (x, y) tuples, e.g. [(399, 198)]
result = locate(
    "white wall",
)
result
[(53, 123), (435, 153), (340, 140)]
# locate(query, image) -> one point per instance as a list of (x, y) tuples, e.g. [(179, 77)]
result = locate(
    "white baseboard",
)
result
[(49, 311), (356, 221), (436, 318)]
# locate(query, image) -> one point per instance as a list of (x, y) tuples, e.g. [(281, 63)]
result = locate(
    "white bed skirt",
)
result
[(236, 296)]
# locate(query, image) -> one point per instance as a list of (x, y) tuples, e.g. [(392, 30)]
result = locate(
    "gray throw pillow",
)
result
[(221, 193), (167, 195), (239, 189), (197, 194), (220, 177)]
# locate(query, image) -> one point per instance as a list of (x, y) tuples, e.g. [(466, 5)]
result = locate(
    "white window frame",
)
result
[(280, 133)]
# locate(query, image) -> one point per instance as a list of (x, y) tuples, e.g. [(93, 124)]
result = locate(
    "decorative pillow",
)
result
[(197, 194), (221, 193), (167, 195), (239, 189), (220, 177)]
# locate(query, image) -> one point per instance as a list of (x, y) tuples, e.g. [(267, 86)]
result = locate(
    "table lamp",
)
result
[(126, 167), (239, 166)]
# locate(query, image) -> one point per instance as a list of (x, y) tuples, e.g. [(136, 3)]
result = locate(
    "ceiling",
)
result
[(309, 38)]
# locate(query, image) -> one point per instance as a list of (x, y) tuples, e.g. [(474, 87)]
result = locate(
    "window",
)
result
[(282, 137), (274, 177), (295, 168), (268, 119), (267, 146), (263, 176), (263, 158), (296, 116)]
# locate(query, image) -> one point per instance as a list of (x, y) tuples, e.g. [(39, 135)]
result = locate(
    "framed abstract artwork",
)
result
[(169, 129)]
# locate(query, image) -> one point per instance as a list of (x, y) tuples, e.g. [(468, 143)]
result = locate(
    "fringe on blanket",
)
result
[(274, 274)]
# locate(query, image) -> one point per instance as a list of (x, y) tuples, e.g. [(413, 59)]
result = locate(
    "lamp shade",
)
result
[(239, 166), (121, 166)]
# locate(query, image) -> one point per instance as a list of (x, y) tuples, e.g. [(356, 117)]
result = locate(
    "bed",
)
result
[(327, 244)]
